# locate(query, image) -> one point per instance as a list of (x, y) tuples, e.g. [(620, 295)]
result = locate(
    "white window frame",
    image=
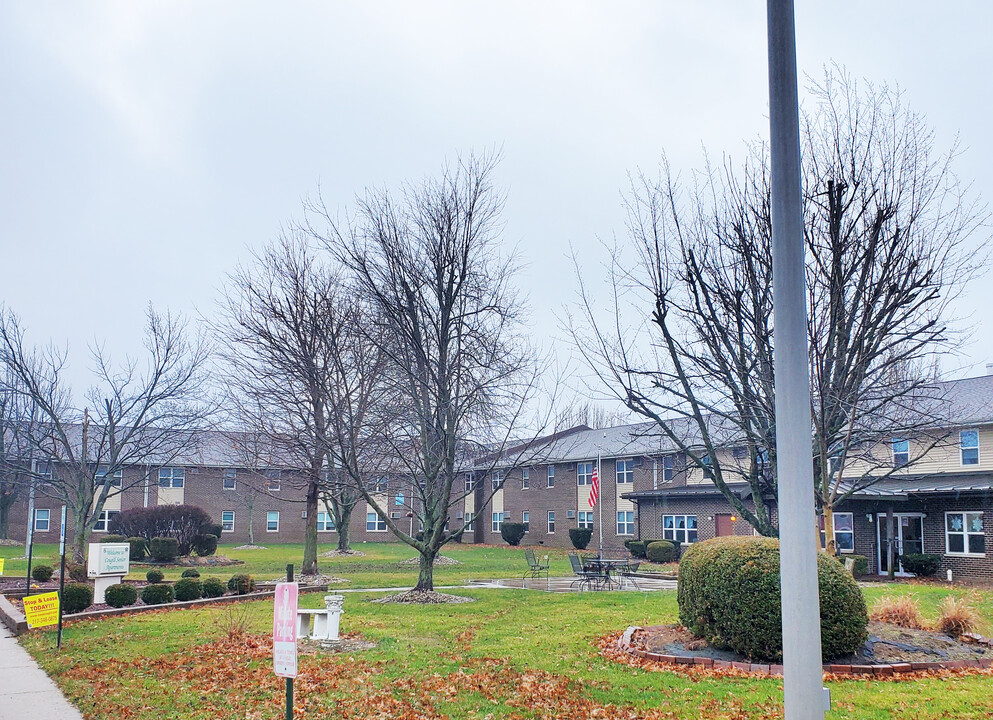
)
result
[(273, 480), (837, 532), (584, 519), (116, 480), (675, 531), (173, 477), (526, 520), (469, 484), (325, 523), (378, 524), (668, 468), (550, 518), (550, 476), (382, 485), (496, 480), (525, 479), (227, 526), (470, 522), (584, 473), (625, 522), (963, 448), (624, 471), (268, 521), (965, 533), (900, 457), (231, 475), (103, 522), (47, 521), (497, 521)]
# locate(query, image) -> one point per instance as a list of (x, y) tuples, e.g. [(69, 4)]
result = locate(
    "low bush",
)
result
[(729, 594), (921, 564), (458, 536), (580, 537), (182, 522), (139, 548), (77, 572), (154, 576), (241, 584), (902, 610), (205, 545), (958, 616), (637, 547), (661, 551), (191, 573), (157, 594), (213, 587), (164, 549), (512, 533), (113, 539), (42, 573), (861, 565), (121, 595), (214, 529), (76, 597), (188, 589)]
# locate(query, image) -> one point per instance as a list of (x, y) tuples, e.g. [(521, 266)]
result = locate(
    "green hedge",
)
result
[(636, 547), (113, 539), (121, 595), (164, 549), (921, 564), (191, 573), (157, 594), (213, 587), (861, 566), (661, 551), (512, 532), (187, 589), (76, 597), (580, 537), (42, 573), (729, 594), (139, 548), (154, 576), (205, 545), (241, 584)]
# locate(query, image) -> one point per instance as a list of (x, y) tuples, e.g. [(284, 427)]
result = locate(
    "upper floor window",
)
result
[(44, 471), (525, 479), (381, 485), (115, 478), (229, 479), (172, 477), (497, 479), (625, 471), (668, 468), (901, 452), (706, 461), (834, 465), (468, 482), (584, 473), (273, 480), (551, 476), (969, 442)]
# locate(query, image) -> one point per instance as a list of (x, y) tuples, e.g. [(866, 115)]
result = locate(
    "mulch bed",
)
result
[(423, 597), (438, 560), (192, 561)]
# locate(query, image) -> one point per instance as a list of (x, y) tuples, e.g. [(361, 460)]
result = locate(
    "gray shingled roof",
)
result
[(927, 485)]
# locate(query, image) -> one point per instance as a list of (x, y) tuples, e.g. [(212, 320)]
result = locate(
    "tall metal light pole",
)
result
[(805, 697)]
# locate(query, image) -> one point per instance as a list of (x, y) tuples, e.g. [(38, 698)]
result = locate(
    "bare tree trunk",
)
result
[(343, 526), (890, 554), (80, 534), (4, 520), (425, 578), (829, 543), (309, 565), (250, 504)]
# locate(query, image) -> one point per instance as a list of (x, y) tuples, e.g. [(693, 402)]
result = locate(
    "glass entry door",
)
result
[(908, 537)]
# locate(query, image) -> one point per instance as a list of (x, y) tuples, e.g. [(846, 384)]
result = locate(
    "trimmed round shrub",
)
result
[(191, 573), (113, 539), (77, 571), (187, 589), (580, 537), (205, 545), (661, 551), (139, 548), (154, 576), (213, 587), (636, 547), (42, 573), (76, 597), (241, 584), (121, 595), (921, 564), (164, 549), (512, 532), (729, 594), (157, 594)]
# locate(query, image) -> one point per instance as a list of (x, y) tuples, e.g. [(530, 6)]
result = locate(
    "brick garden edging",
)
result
[(770, 670)]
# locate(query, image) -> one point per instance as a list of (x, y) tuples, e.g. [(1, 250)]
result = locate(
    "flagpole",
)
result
[(599, 504)]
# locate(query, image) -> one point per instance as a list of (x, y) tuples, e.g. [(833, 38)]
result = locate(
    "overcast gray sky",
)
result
[(147, 147)]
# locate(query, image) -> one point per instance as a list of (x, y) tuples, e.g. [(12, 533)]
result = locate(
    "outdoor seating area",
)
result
[(596, 572)]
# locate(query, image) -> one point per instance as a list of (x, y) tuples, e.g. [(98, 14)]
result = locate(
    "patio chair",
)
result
[(590, 579), (628, 571), (535, 568)]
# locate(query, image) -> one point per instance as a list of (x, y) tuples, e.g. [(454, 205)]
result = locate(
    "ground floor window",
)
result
[(586, 519), (844, 532), (227, 521), (103, 522), (625, 522), (526, 521), (964, 533), (374, 523), (272, 521), (470, 522), (551, 522), (681, 528), (42, 520), (497, 521), (324, 522)]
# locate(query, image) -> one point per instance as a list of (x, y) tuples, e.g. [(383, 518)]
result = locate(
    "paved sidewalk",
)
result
[(26, 692)]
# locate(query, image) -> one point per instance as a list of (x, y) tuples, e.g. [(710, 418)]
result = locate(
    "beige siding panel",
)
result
[(171, 496)]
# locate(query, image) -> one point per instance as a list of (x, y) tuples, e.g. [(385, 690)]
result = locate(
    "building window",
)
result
[(625, 472), (681, 528), (42, 520), (625, 522), (227, 521), (272, 521), (103, 522), (497, 521), (834, 465), (525, 479), (396, 514), (44, 472), (470, 522), (324, 522), (381, 485), (584, 473), (964, 533), (468, 482), (274, 480), (969, 441), (844, 532), (901, 452), (585, 519), (668, 468), (497, 480), (374, 523), (526, 521), (551, 476), (172, 477), (229, 479), (115, 479), (551, 522)]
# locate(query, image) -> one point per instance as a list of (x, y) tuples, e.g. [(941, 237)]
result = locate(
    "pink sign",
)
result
[(284, 630)]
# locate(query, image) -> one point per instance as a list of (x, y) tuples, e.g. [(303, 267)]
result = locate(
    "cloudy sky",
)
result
[(147, 147)]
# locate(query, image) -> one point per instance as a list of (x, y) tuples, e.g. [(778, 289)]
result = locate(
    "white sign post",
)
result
[(107, 564)]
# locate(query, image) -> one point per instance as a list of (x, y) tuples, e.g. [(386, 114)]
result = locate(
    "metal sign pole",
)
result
[(289, 680), (30, 537), (802, 671), (62, 576)]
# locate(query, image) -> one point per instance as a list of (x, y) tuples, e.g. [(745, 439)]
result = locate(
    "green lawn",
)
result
[(512, 653)]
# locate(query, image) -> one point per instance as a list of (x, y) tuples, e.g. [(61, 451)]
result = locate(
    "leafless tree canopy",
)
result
[(890, 236)]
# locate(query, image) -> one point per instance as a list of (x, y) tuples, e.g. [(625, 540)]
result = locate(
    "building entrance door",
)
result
[(908, 537), (724, 525)]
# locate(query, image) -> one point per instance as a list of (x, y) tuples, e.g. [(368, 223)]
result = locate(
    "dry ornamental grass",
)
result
[(903, 610)]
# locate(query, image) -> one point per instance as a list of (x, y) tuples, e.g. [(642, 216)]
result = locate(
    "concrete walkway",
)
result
[(25, 690)]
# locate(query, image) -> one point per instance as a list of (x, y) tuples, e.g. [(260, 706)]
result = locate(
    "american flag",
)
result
[(595, 489)]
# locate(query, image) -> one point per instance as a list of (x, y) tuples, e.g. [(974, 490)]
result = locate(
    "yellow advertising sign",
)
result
[(1, 566), (42, 610)]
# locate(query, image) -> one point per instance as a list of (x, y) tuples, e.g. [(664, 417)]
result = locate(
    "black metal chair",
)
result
[(628, 571), (590, 579), (535, 568)]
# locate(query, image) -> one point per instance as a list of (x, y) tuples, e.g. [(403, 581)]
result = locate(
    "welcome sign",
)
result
[(109, 559)]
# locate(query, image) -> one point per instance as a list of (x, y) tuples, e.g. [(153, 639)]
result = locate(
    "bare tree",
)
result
[(889, 234), (136, 414), (16, 424), (589, 414), (460, 371)]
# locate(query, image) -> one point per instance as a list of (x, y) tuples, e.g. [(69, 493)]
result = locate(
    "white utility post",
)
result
[(805, 696)]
